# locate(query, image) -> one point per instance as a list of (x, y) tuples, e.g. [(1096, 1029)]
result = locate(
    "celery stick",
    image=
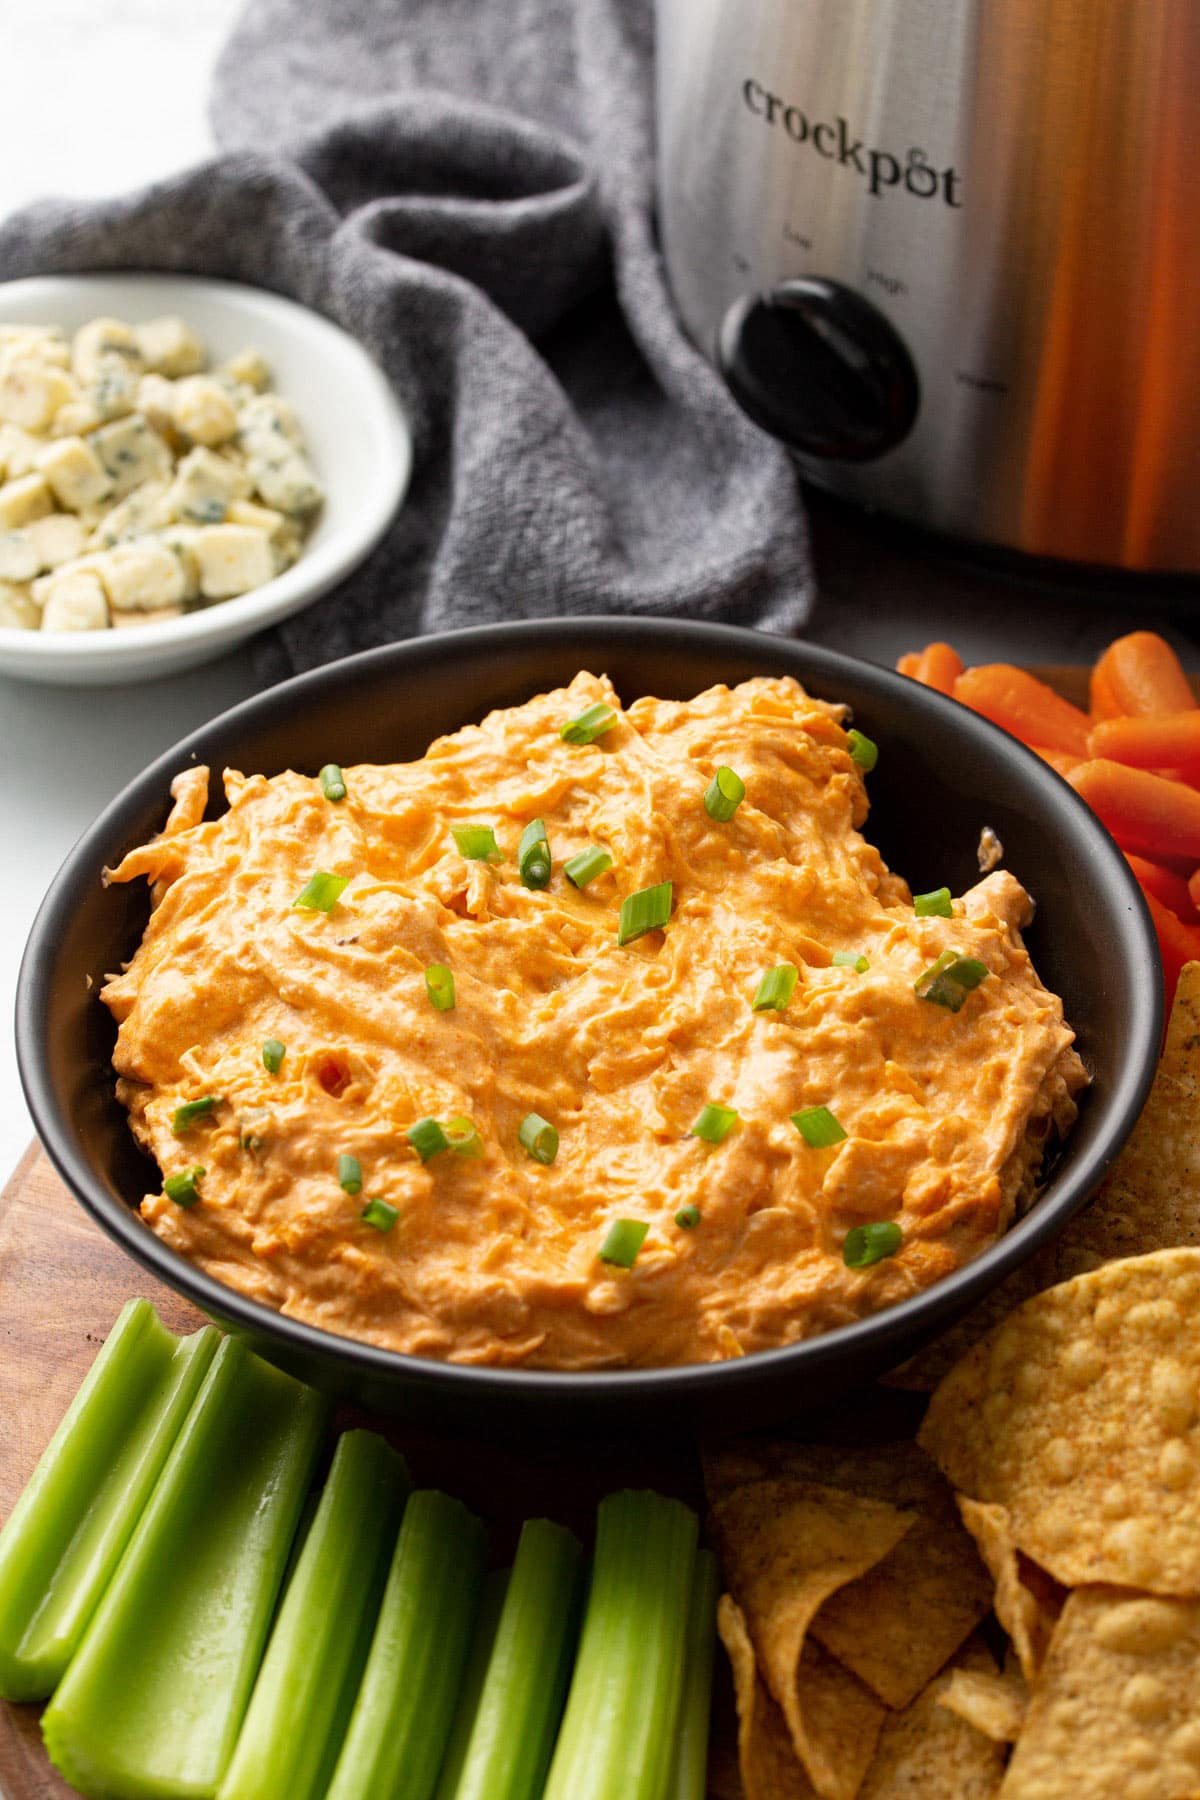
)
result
[(513, 1736), (690, 1778), (401, 1718), (151, 1703), (617, 1740), (67, 1531), (301, 1701), (480, 1654)]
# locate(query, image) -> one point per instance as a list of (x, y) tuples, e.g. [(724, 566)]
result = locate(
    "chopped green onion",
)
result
[(533, 855), (538, 1138), (867, 1244), (152, 1700), (690, 1778), (776, 988), (517, 1713), (349, 1171), (724, 794), (863, 751), (67, 1532), (183, 1188), (477, 843), (687, 1217), (935, 905), (622, 1241), (587, 865), (333, 782), (851, 959), (400, 1724), (715, 1123), (647, 910), (186, 1115), (318, 1647), (379, 1214), (949, 980), (427, 1138), (251, 1124), (273, 1053), (439, 985), (321, 892), (590, 724), (462, 1137), (620, 1730), (818, 1127)]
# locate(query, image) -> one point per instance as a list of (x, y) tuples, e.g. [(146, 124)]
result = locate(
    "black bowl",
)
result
[(943, 773)]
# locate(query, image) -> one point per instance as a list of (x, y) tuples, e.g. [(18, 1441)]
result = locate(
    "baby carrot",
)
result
[(1033, 712), (1177, 943), (1152, 741), (937, 666), (1166, 886), (1147, 814), (1061, 761), (1137, 675)]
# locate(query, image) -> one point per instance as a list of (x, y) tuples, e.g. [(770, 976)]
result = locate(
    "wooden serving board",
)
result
[(62, 1284)]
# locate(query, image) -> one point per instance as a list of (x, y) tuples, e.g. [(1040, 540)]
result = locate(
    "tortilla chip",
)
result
[(1081, 1415), (1116, 1715), (766, 1758), (991, 1700), (1150, 1199), (785, 1547), (1027, 1601), (901, 1622), (929, 1753)]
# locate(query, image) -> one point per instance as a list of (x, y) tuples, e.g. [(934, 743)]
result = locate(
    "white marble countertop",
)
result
[(64, 754)]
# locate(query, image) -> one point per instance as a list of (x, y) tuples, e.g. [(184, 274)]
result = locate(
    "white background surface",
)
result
[(130, 82)]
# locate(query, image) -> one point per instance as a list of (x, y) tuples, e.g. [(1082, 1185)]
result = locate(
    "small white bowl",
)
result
[(357, 436)]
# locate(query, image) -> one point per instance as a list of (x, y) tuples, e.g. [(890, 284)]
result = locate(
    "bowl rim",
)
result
[(316, 570), (906, 1319)]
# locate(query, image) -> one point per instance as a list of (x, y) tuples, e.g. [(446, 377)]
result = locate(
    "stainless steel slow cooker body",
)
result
[(949, 250)]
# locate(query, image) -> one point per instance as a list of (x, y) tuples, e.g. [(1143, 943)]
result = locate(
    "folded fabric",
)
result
[(468, 188)]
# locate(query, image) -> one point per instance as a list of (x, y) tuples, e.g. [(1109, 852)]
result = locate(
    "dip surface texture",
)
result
[(493, 1257)]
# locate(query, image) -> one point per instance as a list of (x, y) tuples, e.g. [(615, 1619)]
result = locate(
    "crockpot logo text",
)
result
[(833, 139)]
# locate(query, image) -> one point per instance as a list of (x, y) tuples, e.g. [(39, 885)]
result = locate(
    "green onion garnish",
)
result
[(349, 1174), (592, 723), (538, 1138), (439, 985), (851, 959), (867, 1244), (647, 910), (933, 906), (379, 1214), (724, 794), (427, 1138), (477, 843), (321, 892), (622, 1241), (252, 1128), (462, 1137), (191, 1110), (863, 751), (273, 1053), (587, 865), (687, 1217), (715, 1123), (949, 980), (818, 1127), (182, 1188), (533, 855), (776, 988), (333, 782)]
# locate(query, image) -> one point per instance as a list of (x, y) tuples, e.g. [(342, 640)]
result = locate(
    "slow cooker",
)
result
[(949, 252)]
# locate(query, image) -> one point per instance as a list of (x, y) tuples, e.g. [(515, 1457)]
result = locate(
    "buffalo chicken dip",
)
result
[(598, 1037)]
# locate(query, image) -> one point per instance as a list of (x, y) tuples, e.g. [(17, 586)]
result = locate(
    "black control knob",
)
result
[(819, 367)]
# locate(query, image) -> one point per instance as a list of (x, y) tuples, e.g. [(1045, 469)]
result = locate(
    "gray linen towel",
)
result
[(467, 186)]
